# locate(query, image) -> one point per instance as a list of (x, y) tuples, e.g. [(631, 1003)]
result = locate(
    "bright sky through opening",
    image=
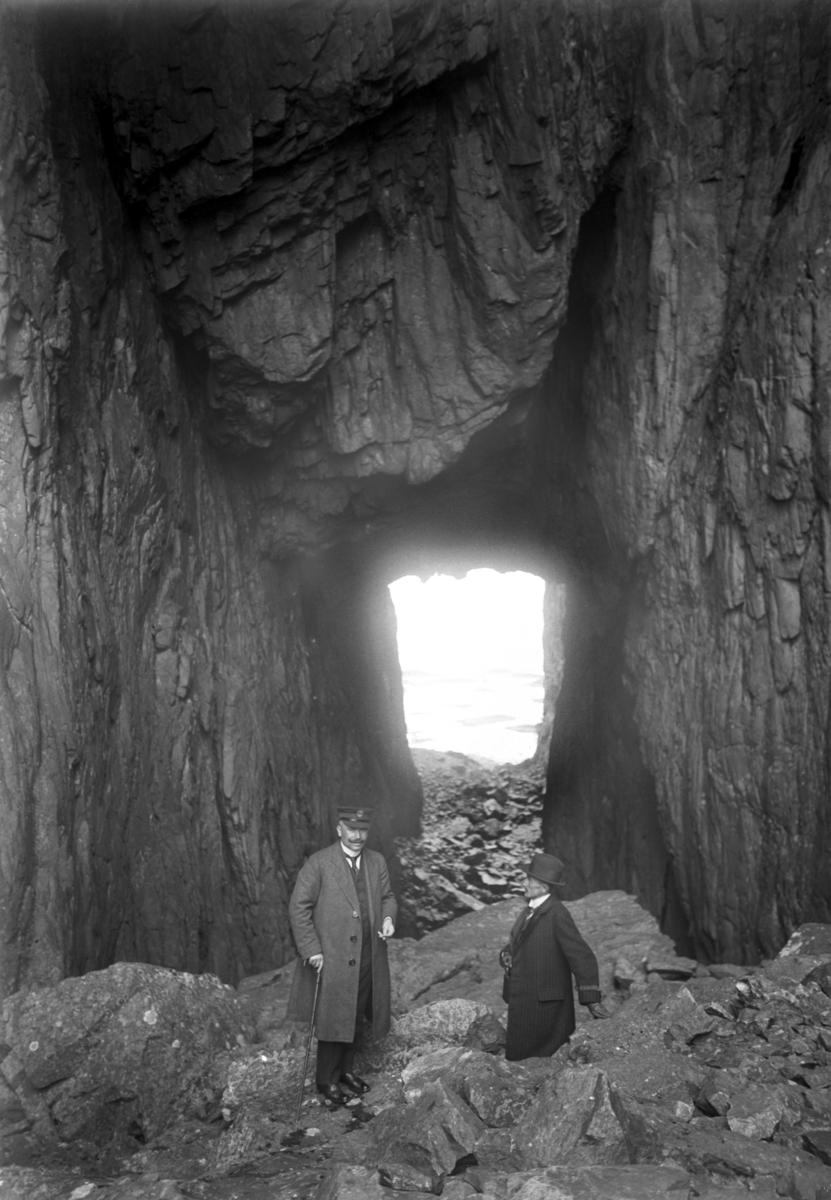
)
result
[(472, 661)]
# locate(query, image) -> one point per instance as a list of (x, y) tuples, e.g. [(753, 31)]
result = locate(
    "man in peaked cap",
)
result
[(342, 911), (545, 950)]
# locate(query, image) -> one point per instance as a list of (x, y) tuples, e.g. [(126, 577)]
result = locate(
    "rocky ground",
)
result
[(139, 1083), (480, 825)]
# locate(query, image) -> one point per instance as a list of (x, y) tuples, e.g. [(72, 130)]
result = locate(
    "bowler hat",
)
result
[(547, 869), (357, 818)]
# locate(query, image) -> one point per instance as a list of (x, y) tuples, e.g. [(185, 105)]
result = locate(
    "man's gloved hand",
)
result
[(598, 1011), (387, 929), (505, 958), (316, 961)]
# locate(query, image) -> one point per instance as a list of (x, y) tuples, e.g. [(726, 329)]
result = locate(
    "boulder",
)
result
[(671, 966), (713, 1098), (818, 1141), (460, 959), (808, 940), (727, 971), (486, 1033), (442, 1023), (263, 1077), (122, 1051), (572, 1121), (659, 1075), (623, 973), (431, 1134), (499, 1092), (758, 1112)]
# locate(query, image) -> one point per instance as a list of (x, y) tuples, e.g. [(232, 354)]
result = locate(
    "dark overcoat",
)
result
[(545, 952), (326, 919)]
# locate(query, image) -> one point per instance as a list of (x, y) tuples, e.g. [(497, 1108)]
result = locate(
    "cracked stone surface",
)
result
[(707, 1087)]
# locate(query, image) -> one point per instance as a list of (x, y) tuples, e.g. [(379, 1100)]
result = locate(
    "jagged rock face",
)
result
[(709, 411), (357, 218), (178, 718), (296, 299)]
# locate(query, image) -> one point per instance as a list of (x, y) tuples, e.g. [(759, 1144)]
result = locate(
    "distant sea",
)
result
[(493, 714)]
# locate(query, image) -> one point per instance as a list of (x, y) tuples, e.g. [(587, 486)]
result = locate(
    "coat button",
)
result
[(354, 937), (354, 914), (351, 962)]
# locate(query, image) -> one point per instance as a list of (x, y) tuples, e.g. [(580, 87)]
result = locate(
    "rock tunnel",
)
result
[(298, 299)]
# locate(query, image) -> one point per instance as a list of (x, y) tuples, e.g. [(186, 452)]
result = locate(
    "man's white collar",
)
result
[(538, 901)]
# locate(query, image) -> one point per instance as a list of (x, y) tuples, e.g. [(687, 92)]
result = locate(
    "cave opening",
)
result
[(479, 660)]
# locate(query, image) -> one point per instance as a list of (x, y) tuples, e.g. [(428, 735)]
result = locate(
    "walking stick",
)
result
[(308, 1048)]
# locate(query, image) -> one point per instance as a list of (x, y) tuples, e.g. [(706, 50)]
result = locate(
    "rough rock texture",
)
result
[(726, 1080), (178, 718), (593, 1183), (712, 1088), (296, 298), (711, 464), (96, 1058), (479, 828), (459, 959), (120, 1053)]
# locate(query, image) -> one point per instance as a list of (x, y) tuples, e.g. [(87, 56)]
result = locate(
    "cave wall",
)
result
[(297, 298), (707, 400), (168, 695)]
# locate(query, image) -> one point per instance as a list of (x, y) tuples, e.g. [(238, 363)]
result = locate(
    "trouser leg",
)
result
[(364, 997), (329, 1062), (335, 1058)]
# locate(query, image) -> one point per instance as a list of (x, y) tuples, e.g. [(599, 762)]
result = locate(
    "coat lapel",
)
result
[(524, 929), (370, 876), (343, 875), (515, 928)]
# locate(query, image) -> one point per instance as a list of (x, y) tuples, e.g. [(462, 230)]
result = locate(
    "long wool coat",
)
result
[(326, 919), (545, 953)]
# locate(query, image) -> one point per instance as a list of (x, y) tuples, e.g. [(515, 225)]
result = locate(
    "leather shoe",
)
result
[(332, 1093), (352, 1081)]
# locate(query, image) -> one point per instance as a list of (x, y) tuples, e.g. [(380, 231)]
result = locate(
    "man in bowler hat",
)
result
[(545, 950), (342, 911)]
